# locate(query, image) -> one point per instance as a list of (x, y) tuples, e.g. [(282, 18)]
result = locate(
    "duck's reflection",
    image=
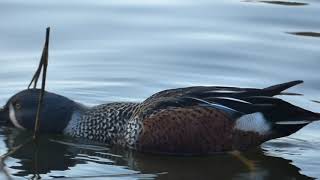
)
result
[(53, 155), (222, 166), (38, 158)]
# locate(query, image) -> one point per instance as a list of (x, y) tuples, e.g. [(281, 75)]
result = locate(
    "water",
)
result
[(121, 50)]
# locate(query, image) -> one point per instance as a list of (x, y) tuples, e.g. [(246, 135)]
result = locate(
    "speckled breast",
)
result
[(109, 123)]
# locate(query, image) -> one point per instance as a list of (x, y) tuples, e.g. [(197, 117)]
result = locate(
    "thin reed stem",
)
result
[(44, 63)]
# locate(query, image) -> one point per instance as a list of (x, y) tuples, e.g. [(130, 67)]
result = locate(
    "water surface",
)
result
[(121, 50)]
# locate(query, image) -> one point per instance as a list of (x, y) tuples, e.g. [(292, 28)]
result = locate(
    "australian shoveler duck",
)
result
[(192, 120)]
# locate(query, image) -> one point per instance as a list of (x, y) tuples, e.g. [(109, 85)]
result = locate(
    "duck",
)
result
[(184, 121)]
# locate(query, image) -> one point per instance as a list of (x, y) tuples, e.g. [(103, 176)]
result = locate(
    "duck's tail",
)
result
[(277, 89), (288, 118)]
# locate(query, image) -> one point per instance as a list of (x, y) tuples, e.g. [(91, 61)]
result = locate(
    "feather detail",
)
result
[(277, 89), (292, 122), (254, 122), (192, 130), (232, 112)]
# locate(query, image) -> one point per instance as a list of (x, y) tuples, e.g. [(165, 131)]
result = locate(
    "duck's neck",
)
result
[(108, 123)]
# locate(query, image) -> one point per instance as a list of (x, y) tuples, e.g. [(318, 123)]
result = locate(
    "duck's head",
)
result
[(21, 109)]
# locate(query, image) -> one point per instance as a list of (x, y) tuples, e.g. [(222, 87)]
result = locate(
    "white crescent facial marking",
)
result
[(254, 122), (13, 118), (73, 123)]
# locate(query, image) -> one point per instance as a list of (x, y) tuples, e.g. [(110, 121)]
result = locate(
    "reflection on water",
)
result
[(49, 158), (285, 3), (312, 34), (316, 101), (126, 50)]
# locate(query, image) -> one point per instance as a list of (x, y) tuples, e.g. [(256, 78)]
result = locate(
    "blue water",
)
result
[(126, 50)]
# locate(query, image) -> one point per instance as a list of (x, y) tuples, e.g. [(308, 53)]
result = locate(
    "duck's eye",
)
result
[(18, 106)]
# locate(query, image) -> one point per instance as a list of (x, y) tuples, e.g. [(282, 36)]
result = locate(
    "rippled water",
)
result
[(126, 50)]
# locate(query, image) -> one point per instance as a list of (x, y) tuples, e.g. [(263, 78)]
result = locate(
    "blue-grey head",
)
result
[(21, 109)]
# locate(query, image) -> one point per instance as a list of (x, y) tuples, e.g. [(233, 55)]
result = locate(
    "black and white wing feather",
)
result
[(232, 100)]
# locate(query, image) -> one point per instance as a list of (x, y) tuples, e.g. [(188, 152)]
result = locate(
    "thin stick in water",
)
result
[(36, 75), (44, 62)]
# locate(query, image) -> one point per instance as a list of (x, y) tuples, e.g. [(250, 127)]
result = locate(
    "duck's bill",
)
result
[(4, 116)]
